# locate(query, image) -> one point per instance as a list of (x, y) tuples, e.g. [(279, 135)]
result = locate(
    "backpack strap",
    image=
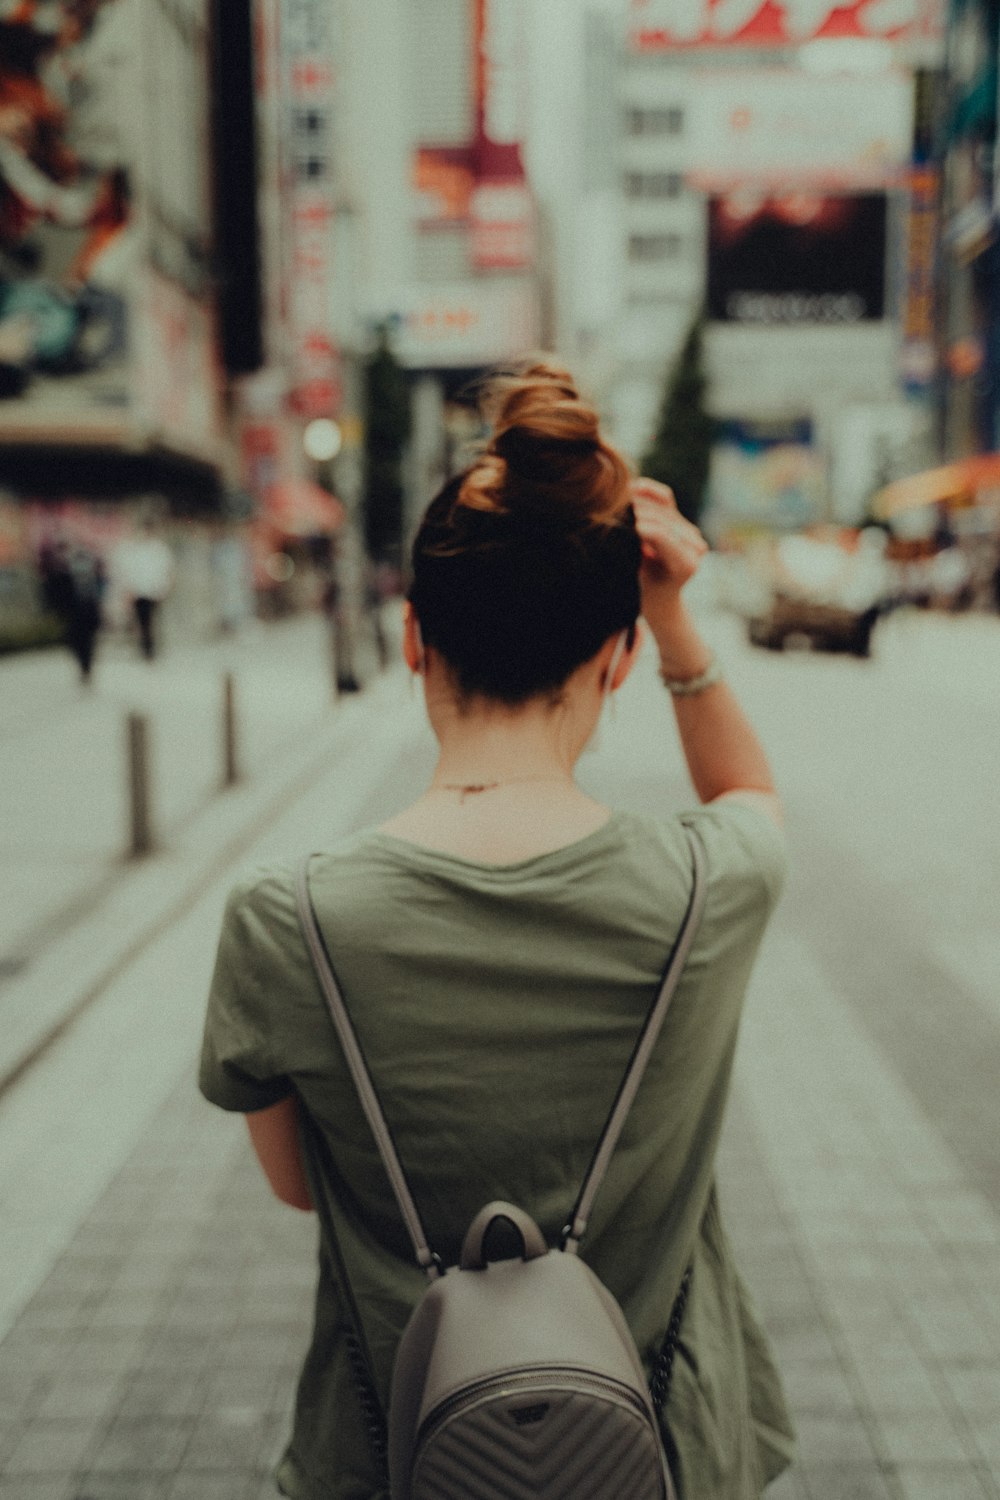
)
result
[(426, 1258), (576, 1228), (344, 1027)]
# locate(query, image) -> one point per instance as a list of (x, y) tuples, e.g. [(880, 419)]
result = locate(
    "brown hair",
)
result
[(525, 564)]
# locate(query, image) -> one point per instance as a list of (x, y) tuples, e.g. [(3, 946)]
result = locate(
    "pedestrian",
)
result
[(498, 944), (73, 584), (145, 567)]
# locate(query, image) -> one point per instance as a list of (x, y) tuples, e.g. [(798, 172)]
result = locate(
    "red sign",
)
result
[(501, 206), (662, 25)]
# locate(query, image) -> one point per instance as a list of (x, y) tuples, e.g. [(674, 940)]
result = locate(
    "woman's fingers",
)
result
[(652, 489), (671, 545)]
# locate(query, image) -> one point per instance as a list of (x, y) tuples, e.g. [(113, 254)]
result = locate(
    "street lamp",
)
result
[(322, 440)]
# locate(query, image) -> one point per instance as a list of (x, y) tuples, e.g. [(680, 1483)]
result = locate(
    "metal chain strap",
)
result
[(659, 1381), (371, 1407)]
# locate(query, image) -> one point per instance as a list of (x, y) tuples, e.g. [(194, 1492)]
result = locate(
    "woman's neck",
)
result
[(499, 749), (503, 788)]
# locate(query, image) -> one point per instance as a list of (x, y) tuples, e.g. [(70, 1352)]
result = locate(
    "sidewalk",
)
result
[(71, 904), (156, 1301)]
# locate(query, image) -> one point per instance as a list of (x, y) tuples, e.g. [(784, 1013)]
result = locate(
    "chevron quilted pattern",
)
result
[(549, 1445)]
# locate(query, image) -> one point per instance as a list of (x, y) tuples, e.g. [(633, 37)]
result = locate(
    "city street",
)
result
[(154, 1301)]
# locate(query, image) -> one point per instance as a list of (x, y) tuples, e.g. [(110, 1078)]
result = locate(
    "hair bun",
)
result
[(547, 460)]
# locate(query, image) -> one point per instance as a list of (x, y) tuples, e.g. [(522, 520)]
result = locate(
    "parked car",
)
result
[(826, 588)]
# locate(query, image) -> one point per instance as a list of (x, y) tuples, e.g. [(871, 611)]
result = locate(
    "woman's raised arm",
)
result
[(724, 756)]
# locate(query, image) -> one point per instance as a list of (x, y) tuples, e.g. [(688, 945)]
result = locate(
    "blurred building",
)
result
[(444, 222), (113, 354), (766, 177)]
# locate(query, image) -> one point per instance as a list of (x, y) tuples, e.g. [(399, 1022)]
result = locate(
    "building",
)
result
[(765, 181), (444, 223), (111, 368)]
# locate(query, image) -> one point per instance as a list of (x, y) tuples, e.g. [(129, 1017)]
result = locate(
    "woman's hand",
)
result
[(672, 550)]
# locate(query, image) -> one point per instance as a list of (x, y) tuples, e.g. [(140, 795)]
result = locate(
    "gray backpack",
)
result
[(518, 1379)]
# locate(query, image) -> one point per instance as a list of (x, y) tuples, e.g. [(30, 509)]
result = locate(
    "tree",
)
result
[(681, 449), (387, 431)]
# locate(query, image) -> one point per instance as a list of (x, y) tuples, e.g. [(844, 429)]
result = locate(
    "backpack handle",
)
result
[(533, 1244)]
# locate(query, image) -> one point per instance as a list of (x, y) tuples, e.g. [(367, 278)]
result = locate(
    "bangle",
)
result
[(687, 687)]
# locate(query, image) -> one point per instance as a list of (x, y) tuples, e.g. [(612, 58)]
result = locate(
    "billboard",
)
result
[(67, 235), (798, 259), (105, 289), (766, 473), (667, 25), (779, 127)]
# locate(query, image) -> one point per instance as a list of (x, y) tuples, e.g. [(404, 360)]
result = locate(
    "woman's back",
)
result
[(497, 1007)]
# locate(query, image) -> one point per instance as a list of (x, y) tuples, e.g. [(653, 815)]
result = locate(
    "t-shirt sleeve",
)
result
[(747, 857), (238, 1070)]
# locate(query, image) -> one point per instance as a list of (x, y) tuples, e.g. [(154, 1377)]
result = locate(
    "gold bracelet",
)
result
[(687, 687)]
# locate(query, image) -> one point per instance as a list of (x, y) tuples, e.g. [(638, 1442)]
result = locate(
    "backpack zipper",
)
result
[(499, 1386)]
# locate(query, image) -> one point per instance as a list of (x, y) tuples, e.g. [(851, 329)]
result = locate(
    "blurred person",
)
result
[(498, 944), (144, 565), (73, 584)]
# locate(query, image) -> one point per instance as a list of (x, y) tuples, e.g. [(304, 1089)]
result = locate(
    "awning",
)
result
[(958, 483), (298, 507)]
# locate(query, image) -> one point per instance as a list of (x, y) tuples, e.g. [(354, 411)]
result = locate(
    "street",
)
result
[(154, 1301)]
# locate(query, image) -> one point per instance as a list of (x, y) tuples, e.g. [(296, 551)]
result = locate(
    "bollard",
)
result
[(140, 809), (230, 759)]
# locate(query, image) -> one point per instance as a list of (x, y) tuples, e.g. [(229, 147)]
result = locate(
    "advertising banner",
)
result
[(796, 259), (666, 25), (175, 379), (780, 127), (501, 205), (67, 236), (766, 473), (918, 355), (444, 178), (309, 49), (105, 327)]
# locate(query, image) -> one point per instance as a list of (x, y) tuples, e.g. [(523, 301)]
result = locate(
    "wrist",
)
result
[(683, 652)]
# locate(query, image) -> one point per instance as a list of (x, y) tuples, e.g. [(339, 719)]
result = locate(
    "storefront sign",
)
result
[(463, 324)]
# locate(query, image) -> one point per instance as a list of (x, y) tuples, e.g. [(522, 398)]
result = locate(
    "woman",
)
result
[(498, 943)]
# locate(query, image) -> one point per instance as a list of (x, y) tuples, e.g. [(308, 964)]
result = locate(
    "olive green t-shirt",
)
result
[(497, 1007)]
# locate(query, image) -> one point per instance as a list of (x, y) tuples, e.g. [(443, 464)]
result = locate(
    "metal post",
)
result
[(140, 808), (230, 759)]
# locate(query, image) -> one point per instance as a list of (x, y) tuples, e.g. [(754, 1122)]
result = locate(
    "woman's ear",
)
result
[(413, 646), (629, 656)]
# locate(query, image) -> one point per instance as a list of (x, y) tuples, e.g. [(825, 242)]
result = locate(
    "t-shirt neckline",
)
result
[(425, 852)]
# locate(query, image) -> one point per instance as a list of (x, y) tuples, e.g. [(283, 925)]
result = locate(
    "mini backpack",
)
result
[(518, 1379)]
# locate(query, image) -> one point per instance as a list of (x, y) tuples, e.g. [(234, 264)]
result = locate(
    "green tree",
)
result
[(681, 449), (387, 431)]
